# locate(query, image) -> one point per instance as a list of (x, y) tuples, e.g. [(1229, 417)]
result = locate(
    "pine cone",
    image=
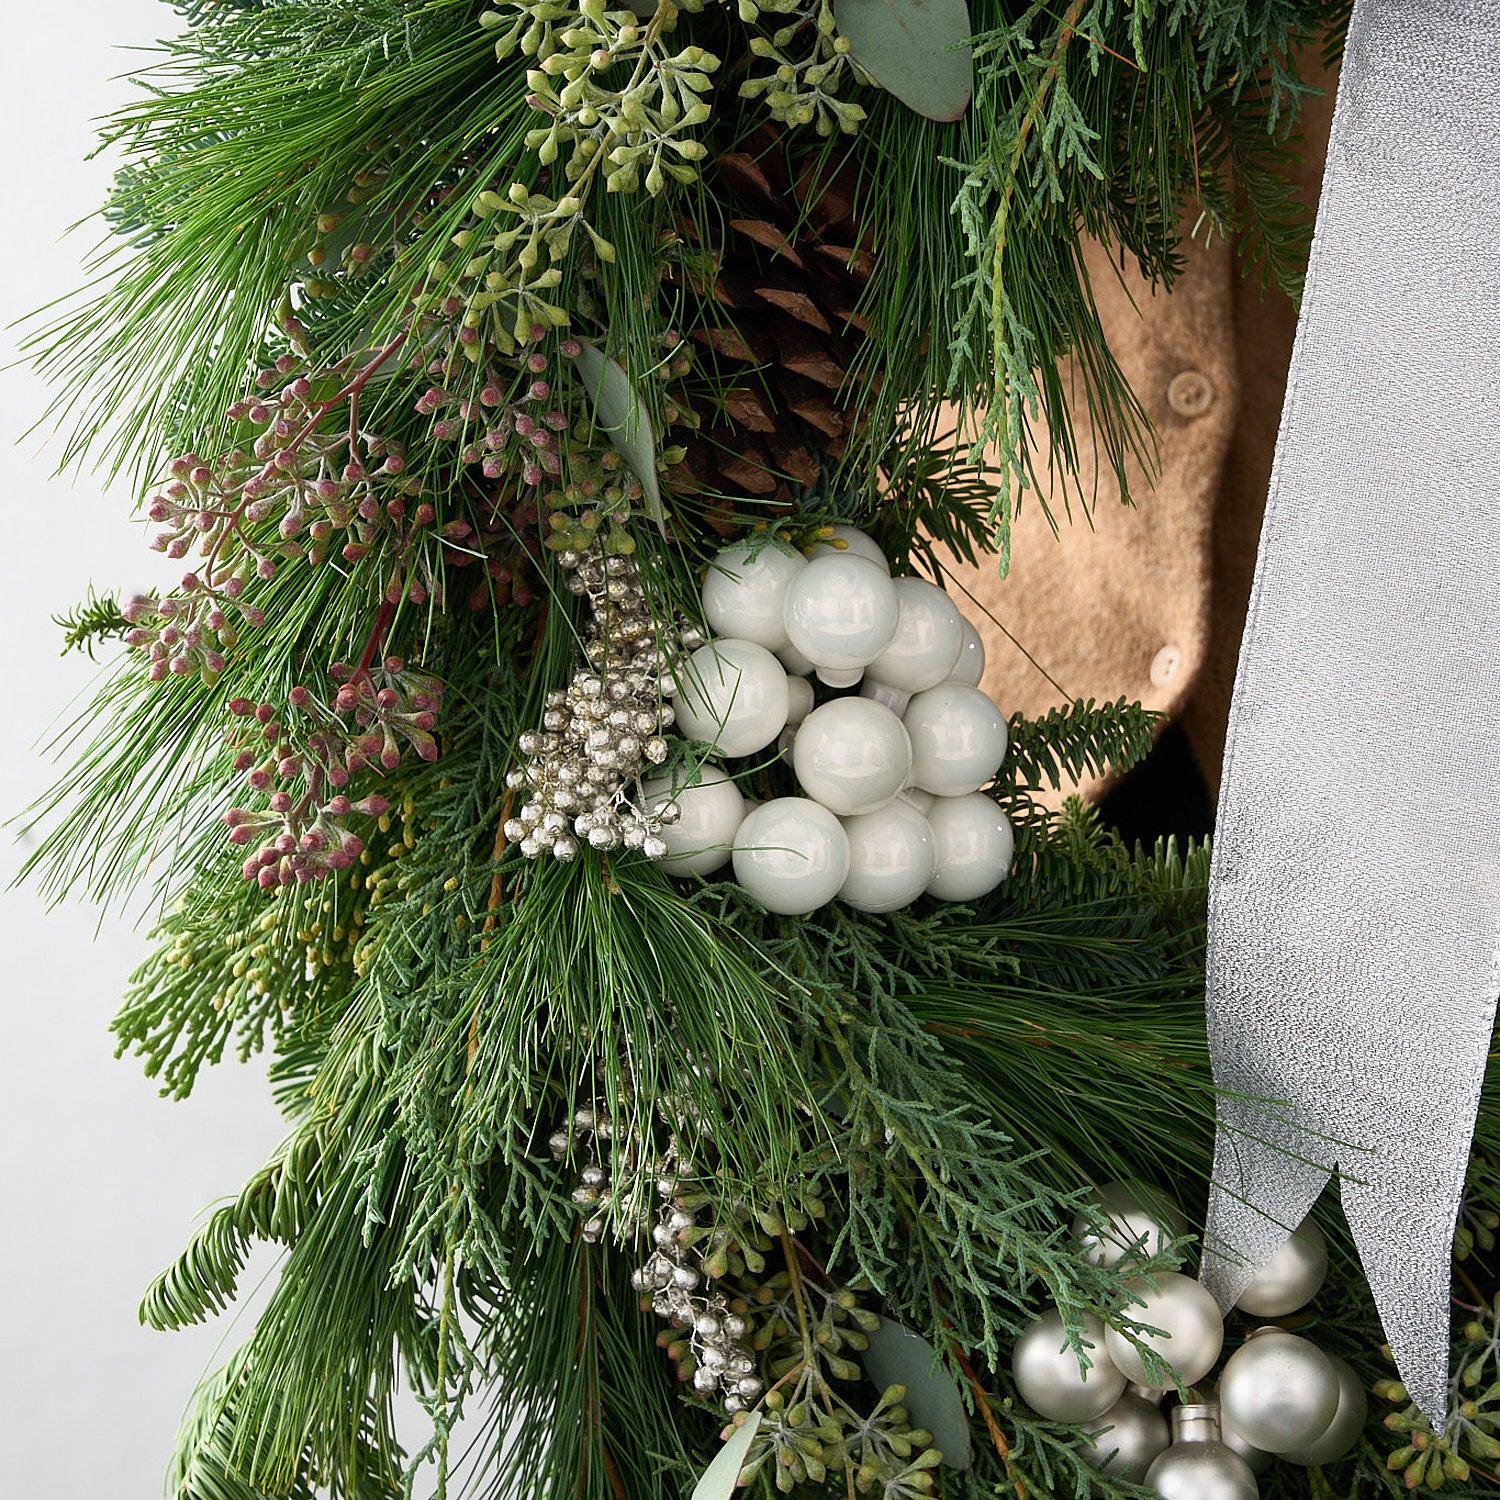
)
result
[(772, 311)]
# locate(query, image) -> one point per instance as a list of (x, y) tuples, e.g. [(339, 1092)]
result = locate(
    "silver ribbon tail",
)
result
[(1354, 910)]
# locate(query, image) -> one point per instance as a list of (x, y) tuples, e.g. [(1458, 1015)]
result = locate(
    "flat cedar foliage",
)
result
[(897, 1115)]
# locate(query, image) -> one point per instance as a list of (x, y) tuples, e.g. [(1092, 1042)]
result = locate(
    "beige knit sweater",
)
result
[(1148, 602)]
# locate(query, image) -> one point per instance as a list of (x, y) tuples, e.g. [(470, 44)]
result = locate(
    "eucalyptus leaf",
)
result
[(720, 1476), (918, 49), (623, 415), (897, 1356)]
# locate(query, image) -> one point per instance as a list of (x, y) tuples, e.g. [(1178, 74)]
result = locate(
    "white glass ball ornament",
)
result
[(1348, 1421), (796, 664), (799, 700), (1193, 1331), (919, 799), (890, 858), (791, 855), (1137, 1436), (1133, 1226), (957, 739), (973, 844), (1292, 1276), (1048, 1378), (840, 613), (1198, 1466), (744, 591), (710, 810), (1279, 1391), (929, 635), (733, 695), (851, 755), (969, 668), (856, 544)]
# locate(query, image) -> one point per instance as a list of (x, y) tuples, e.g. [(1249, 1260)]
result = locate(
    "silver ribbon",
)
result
[(1354, 910)]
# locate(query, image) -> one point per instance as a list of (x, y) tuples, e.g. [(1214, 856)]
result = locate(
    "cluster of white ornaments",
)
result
[(891, 806), (1278, 1395)]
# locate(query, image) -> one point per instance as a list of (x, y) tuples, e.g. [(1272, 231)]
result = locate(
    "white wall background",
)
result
[(101, 1181)]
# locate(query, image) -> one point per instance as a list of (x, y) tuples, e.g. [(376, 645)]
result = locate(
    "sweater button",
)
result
[(1190, 393), (1165, 665)]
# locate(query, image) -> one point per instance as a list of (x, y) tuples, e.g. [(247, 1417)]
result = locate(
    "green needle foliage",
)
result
[(338, 340)]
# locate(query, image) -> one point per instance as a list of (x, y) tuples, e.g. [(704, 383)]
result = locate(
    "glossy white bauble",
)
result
[(796, 664), (744, 592), (1278, 1391), (968, 670), (799, 700), (890, 858), (919, 799), (856, 544), (1348, 1421), (1137, 1224), (851, 755), (840, 613), (957, 739), (733, 695), (929, 635), (1292, 1276), (1137, 1436), (791, 855), (1193, 1331), (1048, 1378), (710, 811), (973, 843)]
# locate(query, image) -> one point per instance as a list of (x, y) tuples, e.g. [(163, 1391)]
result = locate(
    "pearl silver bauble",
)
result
[(1258, 1459), (791, 855), (1138, 1223), (1193, 1330), (852, 755), (1348, 1421), (1198, 1466), (890, 858), (958, 739), (1138, 1434), (1292, 1276), (733, 695), (840, 613), (744, 591), (929, 636), (973, 844), (1279, 1391), (1048, 1378), (709, 813)]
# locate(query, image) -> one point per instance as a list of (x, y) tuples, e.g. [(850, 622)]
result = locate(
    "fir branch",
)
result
[(97, 618)]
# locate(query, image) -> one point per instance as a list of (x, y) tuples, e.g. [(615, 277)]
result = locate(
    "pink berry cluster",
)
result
[(303, 759), (520, 436)]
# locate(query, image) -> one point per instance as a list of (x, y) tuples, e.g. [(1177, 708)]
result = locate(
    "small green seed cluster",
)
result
[(812, 62), (1430, 1460)]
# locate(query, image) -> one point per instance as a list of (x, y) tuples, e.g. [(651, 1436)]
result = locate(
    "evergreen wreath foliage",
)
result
[(411, 304)]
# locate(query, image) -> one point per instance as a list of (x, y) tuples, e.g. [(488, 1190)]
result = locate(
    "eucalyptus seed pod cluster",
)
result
[(584, 764)]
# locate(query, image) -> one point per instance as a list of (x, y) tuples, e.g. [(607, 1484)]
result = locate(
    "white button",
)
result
[(1190, 393), (1165, 665)]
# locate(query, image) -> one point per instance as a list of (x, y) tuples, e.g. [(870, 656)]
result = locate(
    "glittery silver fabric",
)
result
[(1355, 902)]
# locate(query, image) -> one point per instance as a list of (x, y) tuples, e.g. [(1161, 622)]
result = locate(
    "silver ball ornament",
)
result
[(1348, 1421), (1193, 1330), (1258, 1459), (1198, 1466), (1278, 1391), (1127, 1439), (1292, 1276), (1049, 1380), (1137, 1223)]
